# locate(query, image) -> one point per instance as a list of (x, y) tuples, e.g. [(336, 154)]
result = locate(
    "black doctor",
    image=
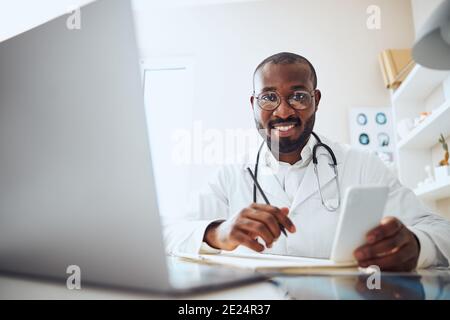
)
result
[(285, 102)]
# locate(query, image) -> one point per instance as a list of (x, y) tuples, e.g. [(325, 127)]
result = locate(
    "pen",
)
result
[(255, 181)]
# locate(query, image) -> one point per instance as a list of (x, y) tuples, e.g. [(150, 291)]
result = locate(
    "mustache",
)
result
[(290, 120)]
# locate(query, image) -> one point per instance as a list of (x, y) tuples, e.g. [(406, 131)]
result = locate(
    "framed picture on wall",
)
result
[(371, 128)]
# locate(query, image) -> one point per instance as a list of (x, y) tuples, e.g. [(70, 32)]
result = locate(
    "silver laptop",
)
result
[(76, 181)]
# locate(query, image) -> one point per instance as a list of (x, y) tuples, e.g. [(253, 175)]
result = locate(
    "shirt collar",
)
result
[(306, 156)]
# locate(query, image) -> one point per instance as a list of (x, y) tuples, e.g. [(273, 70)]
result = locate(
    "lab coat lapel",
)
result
[(271, 187), (267, 180)]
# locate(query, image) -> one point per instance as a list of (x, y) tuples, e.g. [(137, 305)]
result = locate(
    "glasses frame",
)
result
[(311, 93)]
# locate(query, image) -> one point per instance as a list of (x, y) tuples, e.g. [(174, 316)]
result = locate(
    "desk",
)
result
[(425, 284), (431, 284)]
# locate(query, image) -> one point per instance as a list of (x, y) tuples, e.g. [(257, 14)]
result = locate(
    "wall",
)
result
[(422, 9), (227, 41)]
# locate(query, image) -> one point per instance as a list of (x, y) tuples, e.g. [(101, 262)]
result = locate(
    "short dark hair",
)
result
[(287, 58)]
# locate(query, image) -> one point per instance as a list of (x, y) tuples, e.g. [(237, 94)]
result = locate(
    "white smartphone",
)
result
[(362, 210)]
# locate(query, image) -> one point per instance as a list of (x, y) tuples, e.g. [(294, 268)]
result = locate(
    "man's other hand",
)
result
[(391, 246)]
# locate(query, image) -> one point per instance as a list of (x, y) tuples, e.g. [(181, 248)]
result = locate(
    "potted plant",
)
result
[(442, 172)]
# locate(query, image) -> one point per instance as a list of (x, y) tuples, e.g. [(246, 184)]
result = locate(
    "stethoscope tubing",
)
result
[(319, 144)]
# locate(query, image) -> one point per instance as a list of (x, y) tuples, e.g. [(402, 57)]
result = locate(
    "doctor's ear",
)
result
[(317, 96), (252, 100)]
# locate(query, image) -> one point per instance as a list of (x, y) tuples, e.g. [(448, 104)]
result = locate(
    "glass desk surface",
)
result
[(429, 284)]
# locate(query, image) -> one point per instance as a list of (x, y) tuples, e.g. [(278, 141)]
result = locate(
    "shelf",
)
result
[(419, 84), (427, 133), (434, 191)]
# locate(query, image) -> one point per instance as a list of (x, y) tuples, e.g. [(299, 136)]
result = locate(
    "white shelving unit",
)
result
[(435, 191), (419, 84), (424, 135), (423, 90)]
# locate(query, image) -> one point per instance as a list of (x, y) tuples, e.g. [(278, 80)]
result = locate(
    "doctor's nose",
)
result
[(284, 110)]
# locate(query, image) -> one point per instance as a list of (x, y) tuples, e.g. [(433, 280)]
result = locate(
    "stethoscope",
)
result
[(333, 165)]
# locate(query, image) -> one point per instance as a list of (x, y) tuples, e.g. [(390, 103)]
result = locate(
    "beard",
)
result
[(285, 145)]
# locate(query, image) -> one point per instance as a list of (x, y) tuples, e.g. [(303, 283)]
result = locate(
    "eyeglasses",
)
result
[(271, 100)]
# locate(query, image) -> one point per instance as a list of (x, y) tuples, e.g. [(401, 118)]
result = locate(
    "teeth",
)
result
[(284, 128)]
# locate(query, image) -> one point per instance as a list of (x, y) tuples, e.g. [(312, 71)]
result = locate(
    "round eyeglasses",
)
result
[(271, 100)]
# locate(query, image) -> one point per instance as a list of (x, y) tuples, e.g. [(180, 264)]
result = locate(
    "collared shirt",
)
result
[(290, 176)]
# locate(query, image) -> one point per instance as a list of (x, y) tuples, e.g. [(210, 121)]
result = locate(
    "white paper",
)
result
[(258, 261)]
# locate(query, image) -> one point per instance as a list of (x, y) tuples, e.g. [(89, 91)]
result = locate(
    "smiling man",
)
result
[(229, 214)]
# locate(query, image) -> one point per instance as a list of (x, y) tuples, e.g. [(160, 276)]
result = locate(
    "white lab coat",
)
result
[(231, 190)]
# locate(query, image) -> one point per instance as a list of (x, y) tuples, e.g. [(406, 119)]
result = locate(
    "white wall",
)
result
[(227, 41), (422, 9)]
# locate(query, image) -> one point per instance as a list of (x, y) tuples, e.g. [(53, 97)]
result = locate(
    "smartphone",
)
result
[(362, 210)]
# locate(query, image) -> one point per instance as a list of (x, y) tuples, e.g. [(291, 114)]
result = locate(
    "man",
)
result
[(285, 103)]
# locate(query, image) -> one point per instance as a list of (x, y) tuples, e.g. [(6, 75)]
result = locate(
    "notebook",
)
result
[(267, 262)]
